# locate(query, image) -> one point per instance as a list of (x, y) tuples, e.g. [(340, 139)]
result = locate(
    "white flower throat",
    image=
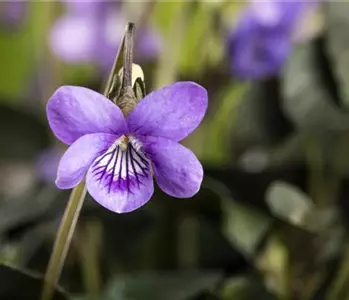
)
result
[(124, 165)]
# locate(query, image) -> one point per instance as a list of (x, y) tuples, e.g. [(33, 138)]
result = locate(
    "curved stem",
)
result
[(63, 239)]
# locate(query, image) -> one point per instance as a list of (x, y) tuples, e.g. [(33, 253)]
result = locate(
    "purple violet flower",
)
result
[(90, 31), (46, 164), (13, 13), (262, 40), (121, 155)]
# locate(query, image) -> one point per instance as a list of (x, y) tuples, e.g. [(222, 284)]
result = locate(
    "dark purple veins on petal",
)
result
[(121, 169)]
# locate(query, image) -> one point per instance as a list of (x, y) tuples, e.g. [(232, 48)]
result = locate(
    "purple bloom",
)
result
[(91, 31), (47, 163), (121, 155), (13, 13), (262, 41)]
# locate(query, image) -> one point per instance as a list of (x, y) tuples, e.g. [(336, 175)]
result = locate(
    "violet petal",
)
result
[(79, 156), (120, 179), (176, 169), (75, 111), (171, 112)]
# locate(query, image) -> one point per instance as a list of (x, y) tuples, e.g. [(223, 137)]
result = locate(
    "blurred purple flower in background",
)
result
[(121, 155), (262, 40), (91, 31), (47, 163), (12, 13)]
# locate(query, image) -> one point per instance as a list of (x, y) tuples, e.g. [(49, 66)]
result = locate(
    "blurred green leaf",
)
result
[(251, 116), (19, 52), (193, 53), (218, 129), (161, 286), (319, 220), (164, 14), (338, 43), (77, 74), (230, 12), (169, 18), (288, 203), (244, 288), (272, 262), (16, 213), (242, 225), (23, 135), (259, 119), (307, 100), (339, 287), (19, 284)]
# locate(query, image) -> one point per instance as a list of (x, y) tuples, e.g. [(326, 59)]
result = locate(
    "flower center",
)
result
[(124, 166), (124, 142)]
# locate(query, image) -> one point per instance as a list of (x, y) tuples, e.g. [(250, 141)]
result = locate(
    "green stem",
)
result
[(167, 68), (63, 239), (341, 279), (72, 211), (88, 245), (187, 241)]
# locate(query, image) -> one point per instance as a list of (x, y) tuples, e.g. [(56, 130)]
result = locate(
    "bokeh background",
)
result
[(271, 219)]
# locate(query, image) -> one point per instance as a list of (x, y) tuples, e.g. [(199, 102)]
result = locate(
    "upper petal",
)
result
[(176, 169), (79, 156), (74, 111), (120, 179), (171, 112)]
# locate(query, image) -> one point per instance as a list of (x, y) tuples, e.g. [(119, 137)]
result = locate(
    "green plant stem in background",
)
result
[(324, 186), (187, 241), (88, 245), (50, 76), (218, 131), (339, 286), (62, 242), (314, 159), (173, 28), (72, 211)]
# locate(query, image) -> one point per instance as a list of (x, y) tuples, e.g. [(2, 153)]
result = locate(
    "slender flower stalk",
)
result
[(71, 215), (63, 239)]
